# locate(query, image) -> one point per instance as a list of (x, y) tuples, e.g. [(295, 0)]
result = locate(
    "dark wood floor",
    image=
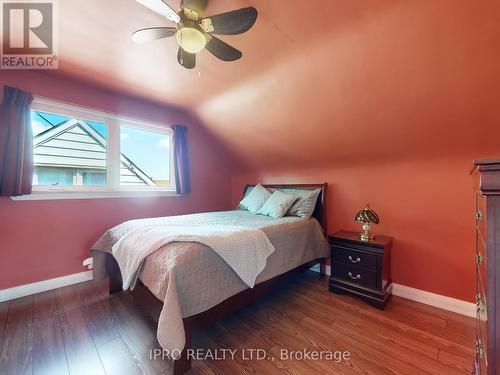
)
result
[(81, 330)]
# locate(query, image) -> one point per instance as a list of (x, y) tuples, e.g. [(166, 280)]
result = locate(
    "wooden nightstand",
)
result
[(361, 268)]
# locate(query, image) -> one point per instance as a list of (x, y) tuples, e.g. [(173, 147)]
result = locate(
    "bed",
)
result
[(206, 288)]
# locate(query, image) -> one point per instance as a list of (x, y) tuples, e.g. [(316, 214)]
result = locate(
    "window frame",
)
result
[(114, 122)]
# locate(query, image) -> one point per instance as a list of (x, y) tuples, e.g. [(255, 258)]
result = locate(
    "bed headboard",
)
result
[(320, 209)]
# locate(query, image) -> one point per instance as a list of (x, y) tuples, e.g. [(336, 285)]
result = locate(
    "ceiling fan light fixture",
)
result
[(194, 32), (191, 40)]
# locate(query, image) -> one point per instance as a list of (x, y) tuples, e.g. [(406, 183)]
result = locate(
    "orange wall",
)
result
[(426, 205), (390, 103), (45, 239)]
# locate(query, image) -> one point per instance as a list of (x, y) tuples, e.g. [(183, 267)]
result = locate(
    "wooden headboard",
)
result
[(320, 209)]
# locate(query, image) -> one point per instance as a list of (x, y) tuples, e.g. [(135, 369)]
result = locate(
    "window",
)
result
[(68, 151), (145, 158), (80, 150)]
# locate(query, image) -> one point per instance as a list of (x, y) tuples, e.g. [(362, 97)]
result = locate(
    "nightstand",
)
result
[(361, 268)]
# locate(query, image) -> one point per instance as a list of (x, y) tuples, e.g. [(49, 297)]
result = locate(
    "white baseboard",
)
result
[(42, 286), (447, 303), (432, 299)]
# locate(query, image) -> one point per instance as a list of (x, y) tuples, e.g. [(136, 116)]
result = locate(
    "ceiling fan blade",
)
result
[(221, 49), (186, 59), (198, 6), (161, 8), (153, 33), (231, 23)]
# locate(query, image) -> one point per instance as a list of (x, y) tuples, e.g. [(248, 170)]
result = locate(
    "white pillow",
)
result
[(277, 205), (305, 204), (255, 199)]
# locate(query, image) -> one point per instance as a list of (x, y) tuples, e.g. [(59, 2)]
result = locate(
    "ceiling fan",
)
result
[(194, 32)]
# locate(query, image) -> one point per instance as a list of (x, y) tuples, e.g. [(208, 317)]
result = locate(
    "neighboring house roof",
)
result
[(75, 144)]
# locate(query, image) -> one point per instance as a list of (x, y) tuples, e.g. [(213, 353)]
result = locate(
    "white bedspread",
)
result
[(244, 249), (193, 278)]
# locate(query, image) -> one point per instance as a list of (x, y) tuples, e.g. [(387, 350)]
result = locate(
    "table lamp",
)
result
[(366, 216)]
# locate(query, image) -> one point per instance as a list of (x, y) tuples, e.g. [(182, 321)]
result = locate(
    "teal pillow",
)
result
[(254, 200), (277, 205)]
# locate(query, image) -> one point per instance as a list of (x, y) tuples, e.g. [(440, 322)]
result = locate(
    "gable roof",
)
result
[(76, 144)]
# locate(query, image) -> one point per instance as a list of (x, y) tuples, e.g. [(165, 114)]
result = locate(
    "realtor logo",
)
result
[(28, 35)]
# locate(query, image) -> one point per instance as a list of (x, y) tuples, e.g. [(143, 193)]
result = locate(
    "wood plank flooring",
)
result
[(81, 330)]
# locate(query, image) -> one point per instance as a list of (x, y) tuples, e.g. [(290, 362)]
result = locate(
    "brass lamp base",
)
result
[(366, 235)]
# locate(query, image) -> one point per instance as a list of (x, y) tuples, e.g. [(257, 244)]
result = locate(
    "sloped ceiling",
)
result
[(320, 82)]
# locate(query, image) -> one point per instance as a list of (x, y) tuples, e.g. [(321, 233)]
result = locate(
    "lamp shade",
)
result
[(367, 215)]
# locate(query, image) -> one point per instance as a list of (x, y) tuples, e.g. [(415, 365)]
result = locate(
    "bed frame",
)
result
[(152, 306)]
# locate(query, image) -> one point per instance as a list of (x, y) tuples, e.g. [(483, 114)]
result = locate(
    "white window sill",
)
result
[(55, 195)]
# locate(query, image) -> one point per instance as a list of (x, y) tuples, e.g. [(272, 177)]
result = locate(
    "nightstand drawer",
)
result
[(355, 275), (354, 258)]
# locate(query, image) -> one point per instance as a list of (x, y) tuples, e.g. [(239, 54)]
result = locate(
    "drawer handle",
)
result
[(357, 260), (357, 277), (479, 348), (479, 259), (480, 305)]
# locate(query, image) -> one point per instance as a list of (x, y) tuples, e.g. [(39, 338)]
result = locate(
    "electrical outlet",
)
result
[(89, 263)]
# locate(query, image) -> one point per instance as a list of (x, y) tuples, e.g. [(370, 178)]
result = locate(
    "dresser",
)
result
[(360, 268), (487, 260)]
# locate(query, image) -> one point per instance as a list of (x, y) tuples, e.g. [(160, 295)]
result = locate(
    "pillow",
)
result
[(305, 203), (277, 205), (254, 200), (247, 191)]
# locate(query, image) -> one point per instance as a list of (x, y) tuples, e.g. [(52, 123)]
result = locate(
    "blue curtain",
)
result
[(181, 160), (16, 143)]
